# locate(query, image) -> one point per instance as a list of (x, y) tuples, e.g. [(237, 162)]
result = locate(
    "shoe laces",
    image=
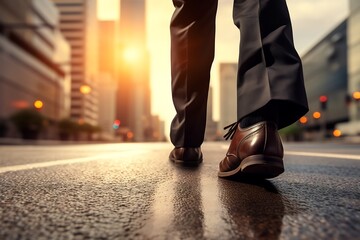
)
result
[(232, 129)]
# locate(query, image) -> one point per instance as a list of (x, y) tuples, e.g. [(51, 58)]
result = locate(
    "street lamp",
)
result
[(129, 135), (303, 120), (316, 115), (337, 133), (38, 104), (85, 89), (356, 95)]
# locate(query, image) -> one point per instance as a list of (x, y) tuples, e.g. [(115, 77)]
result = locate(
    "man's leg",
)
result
[(270, 89), (270, 70), (192, 51)]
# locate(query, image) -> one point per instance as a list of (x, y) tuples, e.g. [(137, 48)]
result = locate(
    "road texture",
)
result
[(132, 191)]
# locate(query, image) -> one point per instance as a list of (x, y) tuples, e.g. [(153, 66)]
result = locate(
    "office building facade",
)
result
[(325, 71), (211, 131), (107, 101), (353, 42), (133, 95), (31, 53), (108, 30), (228, 99), (79, 25)]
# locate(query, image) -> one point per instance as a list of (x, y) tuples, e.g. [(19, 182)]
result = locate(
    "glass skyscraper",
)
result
[(134, 99), (353, 44)]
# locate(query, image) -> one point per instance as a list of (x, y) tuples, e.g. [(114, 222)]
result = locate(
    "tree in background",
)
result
[(29, 123)]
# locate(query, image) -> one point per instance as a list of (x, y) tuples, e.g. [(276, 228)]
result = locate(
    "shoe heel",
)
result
[(262, 166)]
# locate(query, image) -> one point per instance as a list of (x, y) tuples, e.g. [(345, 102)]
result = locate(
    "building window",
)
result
[(71, 21), (71, 38), (71, 13), (69, 4), (76, 72), (76, 55), (64, 29)]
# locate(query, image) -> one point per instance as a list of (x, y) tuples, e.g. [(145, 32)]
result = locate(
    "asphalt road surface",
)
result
[(132, 191)]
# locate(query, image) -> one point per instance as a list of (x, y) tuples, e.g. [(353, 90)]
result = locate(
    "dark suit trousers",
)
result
[(269, 68)]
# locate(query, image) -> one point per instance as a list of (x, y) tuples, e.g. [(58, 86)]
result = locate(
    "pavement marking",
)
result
[(68, 161), (324, 155), (316, 154)]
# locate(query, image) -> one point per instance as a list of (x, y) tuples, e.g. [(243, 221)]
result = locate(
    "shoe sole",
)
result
[(257, 166), (187, 163)]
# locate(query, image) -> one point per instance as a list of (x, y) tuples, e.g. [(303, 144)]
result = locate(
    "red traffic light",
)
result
[(323, 98), (116, 124)]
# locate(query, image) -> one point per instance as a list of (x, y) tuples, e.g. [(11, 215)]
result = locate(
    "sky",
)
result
[(311, 20)]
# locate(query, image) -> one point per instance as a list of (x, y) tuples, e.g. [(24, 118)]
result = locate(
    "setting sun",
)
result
[(131, 54)]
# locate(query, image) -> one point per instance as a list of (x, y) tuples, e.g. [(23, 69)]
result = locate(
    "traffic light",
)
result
[(116, 124), (323, 102)]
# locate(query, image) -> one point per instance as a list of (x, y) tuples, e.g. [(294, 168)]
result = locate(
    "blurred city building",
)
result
[(228, 110), (211, 131), (156, 131), (353, 43), (32, 53), (133, 94), (326, 79), (108, 74), (108, 40), (107, 100), (79, 25)]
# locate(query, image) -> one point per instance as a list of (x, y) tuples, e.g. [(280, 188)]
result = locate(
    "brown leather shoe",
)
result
[(255, 151), (186, 156)]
